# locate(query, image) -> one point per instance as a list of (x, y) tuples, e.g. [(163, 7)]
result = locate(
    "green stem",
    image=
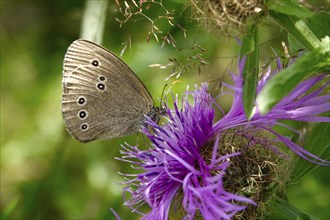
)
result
[(93, 21)]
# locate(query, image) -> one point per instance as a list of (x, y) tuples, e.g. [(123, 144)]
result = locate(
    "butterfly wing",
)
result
[(102, 97)]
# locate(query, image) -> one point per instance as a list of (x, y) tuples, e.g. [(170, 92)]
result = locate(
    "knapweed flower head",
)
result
[(177, 166), (198, 166)]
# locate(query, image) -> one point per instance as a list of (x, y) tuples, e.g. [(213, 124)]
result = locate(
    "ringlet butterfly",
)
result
[(102, 97)]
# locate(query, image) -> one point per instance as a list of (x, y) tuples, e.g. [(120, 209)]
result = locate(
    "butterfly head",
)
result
[(155, 113)]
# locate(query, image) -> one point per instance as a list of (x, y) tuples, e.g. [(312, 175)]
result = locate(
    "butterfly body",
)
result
[(102, 97)]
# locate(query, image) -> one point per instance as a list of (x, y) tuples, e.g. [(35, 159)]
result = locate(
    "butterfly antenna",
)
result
[(162, 96)]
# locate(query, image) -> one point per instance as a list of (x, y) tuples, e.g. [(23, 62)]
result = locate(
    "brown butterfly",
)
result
[(102, 97)]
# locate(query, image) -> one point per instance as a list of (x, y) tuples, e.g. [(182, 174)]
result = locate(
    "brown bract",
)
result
[(227, 17)]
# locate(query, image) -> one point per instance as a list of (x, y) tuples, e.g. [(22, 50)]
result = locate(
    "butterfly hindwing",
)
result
[(102, 97)]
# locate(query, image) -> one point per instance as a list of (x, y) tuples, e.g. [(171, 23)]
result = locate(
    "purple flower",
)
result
[(299, 105), (186, 161)]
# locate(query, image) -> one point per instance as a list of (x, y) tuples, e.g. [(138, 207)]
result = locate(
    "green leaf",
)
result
[(318, 143), (250, 50), (289, 7), (317, 60), (294, 44), (297, 28), (319, 25), (281, 209)]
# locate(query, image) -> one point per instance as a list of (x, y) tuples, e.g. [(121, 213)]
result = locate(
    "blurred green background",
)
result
[(45, 173)]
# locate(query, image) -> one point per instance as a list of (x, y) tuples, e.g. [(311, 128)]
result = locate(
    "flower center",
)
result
[(259, 168)]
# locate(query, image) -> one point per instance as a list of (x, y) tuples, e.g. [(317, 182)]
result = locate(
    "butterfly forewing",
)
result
[(102, 97)]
